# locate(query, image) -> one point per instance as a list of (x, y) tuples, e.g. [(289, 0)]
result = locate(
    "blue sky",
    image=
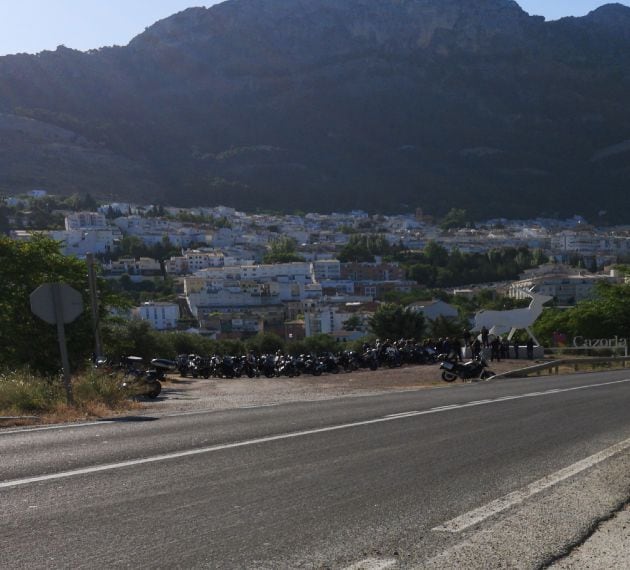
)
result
[(34, 25)]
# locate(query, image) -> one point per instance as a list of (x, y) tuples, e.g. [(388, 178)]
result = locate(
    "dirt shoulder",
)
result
[(187, 394)]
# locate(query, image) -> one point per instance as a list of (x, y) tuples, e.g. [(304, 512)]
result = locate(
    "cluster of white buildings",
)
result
[(228, 291)]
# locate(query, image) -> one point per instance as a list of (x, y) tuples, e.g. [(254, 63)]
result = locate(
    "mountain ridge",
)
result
[(323, 104)]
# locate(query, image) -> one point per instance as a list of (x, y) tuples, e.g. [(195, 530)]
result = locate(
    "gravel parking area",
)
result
[(188, 394)]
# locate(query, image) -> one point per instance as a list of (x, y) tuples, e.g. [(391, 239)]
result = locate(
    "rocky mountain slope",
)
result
[(334, 104)]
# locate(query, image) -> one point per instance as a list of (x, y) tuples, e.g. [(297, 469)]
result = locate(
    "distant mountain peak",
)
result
[(614, 17), (614, 8), (408, 22), (614, 14)]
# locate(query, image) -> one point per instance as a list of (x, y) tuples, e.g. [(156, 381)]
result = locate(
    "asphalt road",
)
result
[(362, 482)]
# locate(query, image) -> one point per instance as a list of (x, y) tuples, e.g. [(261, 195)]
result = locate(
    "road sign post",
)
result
[(58, 303), (98, 346)]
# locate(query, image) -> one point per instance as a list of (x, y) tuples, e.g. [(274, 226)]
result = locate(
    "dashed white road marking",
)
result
[(476, 516), (268, 439)]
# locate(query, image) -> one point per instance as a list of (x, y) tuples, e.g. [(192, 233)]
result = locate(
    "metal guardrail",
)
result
[(553, 366)]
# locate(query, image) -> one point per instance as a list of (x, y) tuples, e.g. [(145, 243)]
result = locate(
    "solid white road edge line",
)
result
[(476, 516), (61, 426), (373, 564), (221, 447)]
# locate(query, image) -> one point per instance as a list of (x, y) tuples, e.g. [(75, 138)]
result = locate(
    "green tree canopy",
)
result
[(603, 317), (363, 248), (353, 323), (456, 218), (282, 250), (265, 343), (435, 266), (24, 338), (393, 321)]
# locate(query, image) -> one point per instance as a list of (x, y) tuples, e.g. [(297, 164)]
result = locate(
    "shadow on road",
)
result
[(130, 419)]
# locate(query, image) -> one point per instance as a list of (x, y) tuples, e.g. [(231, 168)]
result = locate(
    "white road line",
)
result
[(403, 414), (476, 516), (63, 426), (291, 435), (505, 398), (373, 564)]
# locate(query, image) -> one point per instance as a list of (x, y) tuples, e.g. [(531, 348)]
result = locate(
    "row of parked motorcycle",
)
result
[(280, 364), (138, 379)]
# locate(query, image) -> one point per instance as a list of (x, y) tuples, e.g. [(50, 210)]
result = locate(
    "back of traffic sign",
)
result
[(51, 301)]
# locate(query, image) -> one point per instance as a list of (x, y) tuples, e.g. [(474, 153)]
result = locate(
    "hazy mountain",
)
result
[(333, 104)]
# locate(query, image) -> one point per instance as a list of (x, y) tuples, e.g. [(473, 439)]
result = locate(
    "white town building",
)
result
[(161, 316)]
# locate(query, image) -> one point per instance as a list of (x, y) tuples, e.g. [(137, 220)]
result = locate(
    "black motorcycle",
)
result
[(473, 369), (308, 364), (140, 381)]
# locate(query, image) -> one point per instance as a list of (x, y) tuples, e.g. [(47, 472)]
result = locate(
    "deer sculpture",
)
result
[(499, 322)]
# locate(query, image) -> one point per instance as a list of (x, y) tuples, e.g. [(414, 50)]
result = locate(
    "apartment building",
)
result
[(161, 316)]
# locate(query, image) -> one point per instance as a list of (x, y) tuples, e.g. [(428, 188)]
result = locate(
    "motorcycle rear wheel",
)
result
[(448, 376), (154, 389), (485, 374)]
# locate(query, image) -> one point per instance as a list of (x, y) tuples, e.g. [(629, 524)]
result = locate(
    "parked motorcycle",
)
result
[(249, 367), (309, 364), (473, 369), (329, 363), (139, 381)]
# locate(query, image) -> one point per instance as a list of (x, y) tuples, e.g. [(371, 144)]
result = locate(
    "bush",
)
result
[(265, 343), (22, 392), (97, 386)]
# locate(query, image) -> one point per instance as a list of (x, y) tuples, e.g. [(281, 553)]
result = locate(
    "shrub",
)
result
[(22, 392)]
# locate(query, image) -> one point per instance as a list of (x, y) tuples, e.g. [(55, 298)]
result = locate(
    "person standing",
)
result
[(467, 336), (476, 348), (456, 349), (485, 334), (505, 348), (495, 347), (516, 348), (530, 348)]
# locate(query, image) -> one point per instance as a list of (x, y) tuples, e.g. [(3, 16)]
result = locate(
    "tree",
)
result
[(24, 338), (321, 343), (442, 326), (393, 321), (131, 246), (436, 254), (603, 317), (265, 343), (363, 248), (353, 323), (422, 273), (456, 218), (282, 250)]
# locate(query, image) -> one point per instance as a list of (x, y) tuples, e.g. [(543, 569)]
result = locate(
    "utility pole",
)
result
[(98, 346)]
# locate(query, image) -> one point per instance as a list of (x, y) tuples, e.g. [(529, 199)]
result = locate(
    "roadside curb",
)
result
[(524, 372)]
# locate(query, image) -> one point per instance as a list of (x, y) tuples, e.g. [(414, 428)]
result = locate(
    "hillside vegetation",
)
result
[(319, 105)]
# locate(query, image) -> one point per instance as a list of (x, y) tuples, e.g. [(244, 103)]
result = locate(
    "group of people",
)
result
[(499, 346)]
